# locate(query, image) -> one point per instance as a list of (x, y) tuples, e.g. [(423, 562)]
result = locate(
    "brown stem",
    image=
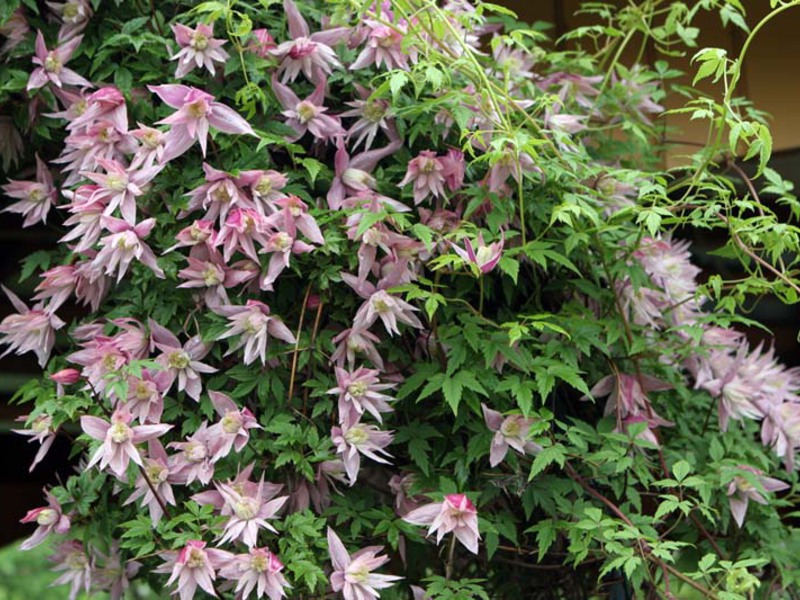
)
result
[(296, 351), (310, 365)]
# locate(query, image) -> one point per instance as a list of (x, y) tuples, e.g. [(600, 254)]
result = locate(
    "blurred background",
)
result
[(768, 81)]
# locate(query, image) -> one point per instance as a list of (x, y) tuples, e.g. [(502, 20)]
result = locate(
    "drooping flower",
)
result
[(211, 272), (41, 431), (427, 172), (11, 144), (254, 324), (71, 557), (381, 305), (145, 399), (281, 244), (627, 394), (358, 391), (119, 186), (50, 519), (151, 150), (353, 174), (29, 329), (193, 566), (51, 65), (353, 574), (233, 429), (351, 343), (383, 46), (484, 257), (262, 44), (194, 461), (35, 197), (307, 115), (198, 48), (741, 490), (373, 115), (15, 29), (123, 245), (119, 440), (74, 15), (455, 514), (259, 570), (353, 440), (510, 432), (197, 111), (156, 469), (309, 53)]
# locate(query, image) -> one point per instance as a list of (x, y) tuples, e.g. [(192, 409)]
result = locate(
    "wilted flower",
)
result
[(198, 48), (741, 491), (353, 574), (455, 514), (49, 519)]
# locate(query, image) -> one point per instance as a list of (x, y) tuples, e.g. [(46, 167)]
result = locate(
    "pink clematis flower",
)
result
[(15, 29), (352, 343), (741, 490), (74, 15), (219, 194), (50, 519), (119, 440), (353, 574), (123, 245), (182, 362), (194, 460), (455, 514), (198, 48), (51, 65), (254, 324), (781, 431), (193, 566), (281, 244), (510, 432), (353, 440), (233, 429), (373, 115), (307, 115), (211, 272), (310, 53), (151, 150), (627, 394), (71, 557), (156, 468), (262, 44), (381, 305), (483, 257), (427, 172), (57, 285), (358, 391), (292, 209), (259, 571), (383, 46), (145, 399), (119, 186), (104, 105), (197, 111), (29, 329), (35, 197), (249, 511), (41, 431)]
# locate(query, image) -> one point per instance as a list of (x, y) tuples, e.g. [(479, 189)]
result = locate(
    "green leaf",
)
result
[(545, 458), (452, 389)]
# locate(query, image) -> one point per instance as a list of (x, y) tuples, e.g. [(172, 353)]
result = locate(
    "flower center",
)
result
[(259, 562), (179, 359), (232, 422), (357, 389), (116, 182), (359, 575), (151, 139), (246, 508), (126, 241), (212, 275), (41, 423), (156, 473), (197, 109), (382, 304), (52, 64), (221, 194), (306, 111), (70, 11), (195, 452), (196, 558), (427, 166), (47, 516), (109, 362), (356, 436), (120, 433), (373, 236), (510, 428), (76, 561), (281, 241), (483, 255), (743, 485), (374, 111), (142, 391), (36, 194), (199, 41), (264, 186)]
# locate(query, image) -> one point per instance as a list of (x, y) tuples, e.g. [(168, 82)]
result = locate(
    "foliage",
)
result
[(403, 269)]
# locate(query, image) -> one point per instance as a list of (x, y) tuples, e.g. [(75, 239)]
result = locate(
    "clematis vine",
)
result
[(193, 566), (482, 256), (742, 489), (51, 63), (123, 245), (50, 519), (254, 324), (510, 432), (198, 48), (259, 570), (353, 573), (35, 197), (29, 329)]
